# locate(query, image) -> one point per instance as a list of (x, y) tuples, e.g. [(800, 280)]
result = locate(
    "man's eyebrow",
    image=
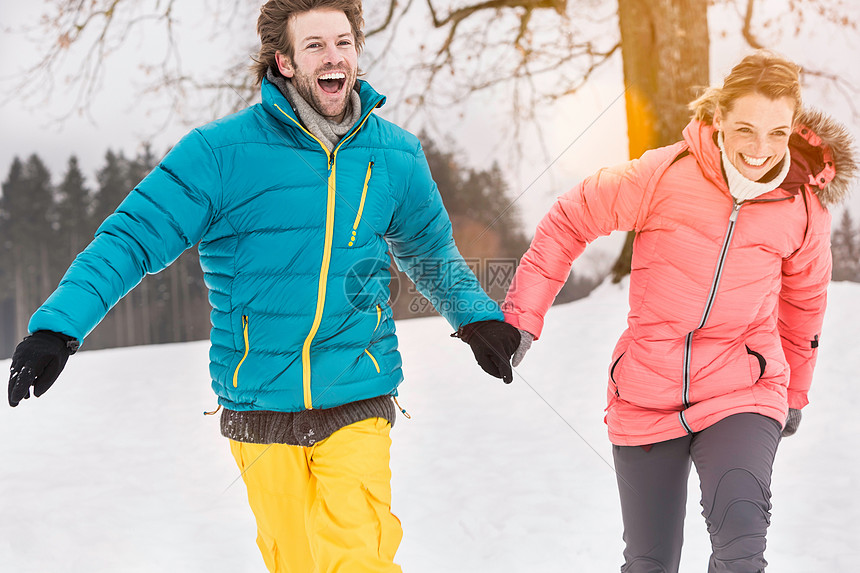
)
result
[(344, 35)]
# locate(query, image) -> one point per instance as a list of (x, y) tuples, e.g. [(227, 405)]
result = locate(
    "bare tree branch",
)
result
[(460, 14), (847, 89), (545, 50), (746, 31), (832, 12), (392, 6)]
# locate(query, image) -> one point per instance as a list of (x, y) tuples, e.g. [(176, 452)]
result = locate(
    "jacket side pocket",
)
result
[(612, 373), (762, 363), (375, 363)]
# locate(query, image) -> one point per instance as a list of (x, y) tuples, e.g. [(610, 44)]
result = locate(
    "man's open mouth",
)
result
[(332, 82)]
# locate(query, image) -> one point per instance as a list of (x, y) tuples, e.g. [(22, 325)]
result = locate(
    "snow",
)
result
[(115, 469)]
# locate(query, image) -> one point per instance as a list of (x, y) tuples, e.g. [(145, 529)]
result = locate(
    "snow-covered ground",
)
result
[(116, 470)]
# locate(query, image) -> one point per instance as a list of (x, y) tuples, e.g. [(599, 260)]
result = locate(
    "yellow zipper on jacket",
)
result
[(366, 351), (321, 291), (361, 204), (329, 234), (311, 135), (247, 348), (375, 363)]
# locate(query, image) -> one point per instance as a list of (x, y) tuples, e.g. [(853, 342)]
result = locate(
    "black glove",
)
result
[(37, 362), (493, 342), (792, 421)]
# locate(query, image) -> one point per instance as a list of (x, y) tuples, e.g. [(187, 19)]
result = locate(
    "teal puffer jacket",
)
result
[(294, 242)]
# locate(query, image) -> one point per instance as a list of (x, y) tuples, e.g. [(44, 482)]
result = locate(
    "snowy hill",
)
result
[(116, 470)]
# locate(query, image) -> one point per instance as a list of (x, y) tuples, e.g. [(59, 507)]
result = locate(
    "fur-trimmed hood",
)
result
[(824, 144), (829, 149)]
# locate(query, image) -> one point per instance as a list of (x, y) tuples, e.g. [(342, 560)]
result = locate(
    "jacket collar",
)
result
[(278, 107)]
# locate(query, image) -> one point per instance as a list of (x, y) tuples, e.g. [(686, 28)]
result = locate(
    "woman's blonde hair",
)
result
[(762, 72)]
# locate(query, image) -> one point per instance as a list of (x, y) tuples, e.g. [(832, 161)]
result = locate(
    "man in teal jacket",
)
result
[(295, 203)]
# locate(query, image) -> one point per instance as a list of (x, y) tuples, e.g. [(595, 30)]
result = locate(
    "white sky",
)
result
[(577, 132)]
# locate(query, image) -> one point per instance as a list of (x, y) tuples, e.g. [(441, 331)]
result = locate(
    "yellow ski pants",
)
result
[(324, 508)]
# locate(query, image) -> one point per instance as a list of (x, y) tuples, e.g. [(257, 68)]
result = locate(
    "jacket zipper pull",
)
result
[(735, 209), (402, 409), (213, 412)]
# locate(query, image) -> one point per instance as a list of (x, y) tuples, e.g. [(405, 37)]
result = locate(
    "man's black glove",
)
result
[(37, 362), (493, 342)]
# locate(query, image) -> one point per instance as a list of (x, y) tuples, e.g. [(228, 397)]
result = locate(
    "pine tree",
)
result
[(485, 223), (11, 189), (73, 212), (113, 185), (10, 276), (41, 202), (28, 205), (478, 201), (845, 247)]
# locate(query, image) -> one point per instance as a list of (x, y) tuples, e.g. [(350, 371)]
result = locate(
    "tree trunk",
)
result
[(131, 334), (20, 302), (145, 311), (118, 312), (185, 304), (664, 46), (44, 272), (175, 317)]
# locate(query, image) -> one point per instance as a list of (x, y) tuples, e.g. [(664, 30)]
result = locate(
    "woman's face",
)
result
[(755, 132)]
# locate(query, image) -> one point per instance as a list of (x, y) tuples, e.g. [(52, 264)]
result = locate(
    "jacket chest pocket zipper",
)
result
[(247, 348), (361, 203)]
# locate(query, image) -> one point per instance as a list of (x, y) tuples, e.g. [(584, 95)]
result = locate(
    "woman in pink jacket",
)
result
[(727, 294)]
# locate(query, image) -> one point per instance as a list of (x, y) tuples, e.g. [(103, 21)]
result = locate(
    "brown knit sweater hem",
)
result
[(303, 428)]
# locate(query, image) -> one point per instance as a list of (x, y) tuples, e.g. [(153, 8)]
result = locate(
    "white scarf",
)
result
[(743, 189)]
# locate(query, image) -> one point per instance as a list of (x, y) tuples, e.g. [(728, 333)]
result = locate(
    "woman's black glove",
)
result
[(493, 342), (37, 362)]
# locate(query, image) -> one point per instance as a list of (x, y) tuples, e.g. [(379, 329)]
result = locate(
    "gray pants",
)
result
[(734, 460)]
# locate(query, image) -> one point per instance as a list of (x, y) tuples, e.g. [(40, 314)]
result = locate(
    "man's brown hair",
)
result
[(273, 28)]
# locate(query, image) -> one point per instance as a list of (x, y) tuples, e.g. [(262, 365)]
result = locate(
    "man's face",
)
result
[(325, 65)]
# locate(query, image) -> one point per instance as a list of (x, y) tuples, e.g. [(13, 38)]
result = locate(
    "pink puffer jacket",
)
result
[(726, 300)]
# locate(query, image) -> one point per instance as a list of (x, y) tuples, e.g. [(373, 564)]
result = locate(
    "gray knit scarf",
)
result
[(328, 132)]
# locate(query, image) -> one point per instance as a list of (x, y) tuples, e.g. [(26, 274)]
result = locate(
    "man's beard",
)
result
[(309, 89)]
